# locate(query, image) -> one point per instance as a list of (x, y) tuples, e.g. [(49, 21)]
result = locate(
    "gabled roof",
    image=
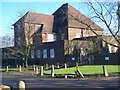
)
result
[(73, 14), (40, 19)]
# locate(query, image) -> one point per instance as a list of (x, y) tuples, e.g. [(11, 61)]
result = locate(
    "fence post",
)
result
[(23, 65), (105, 71), (33, 67), (65, 65), (21, 85), (65, 76), (46, 66), (52, 71), (77, 67), (6, 68), (37, 70), (41, 70), (58, 65), (20, 69), (16, 66)]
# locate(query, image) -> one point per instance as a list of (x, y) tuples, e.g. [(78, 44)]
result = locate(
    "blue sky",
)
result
[(11, 10)]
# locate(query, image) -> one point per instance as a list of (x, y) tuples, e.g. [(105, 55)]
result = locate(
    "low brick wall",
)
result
[(107, 59)]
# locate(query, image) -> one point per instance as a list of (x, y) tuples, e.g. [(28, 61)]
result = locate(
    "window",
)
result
[(62, 36), (50, 37), (73, 58), (82, 51), (32, 54), (115, 48), (38, 53), (107, 58), (52, 53), (77, 35), (5, 54), (44, 53), (110, 48), (18, 30), (19, 38)]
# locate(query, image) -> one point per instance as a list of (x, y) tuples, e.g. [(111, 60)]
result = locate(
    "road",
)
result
[(37, 82)]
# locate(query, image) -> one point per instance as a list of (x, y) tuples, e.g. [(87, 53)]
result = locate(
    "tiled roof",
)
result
[(75, 18), (40, 19)]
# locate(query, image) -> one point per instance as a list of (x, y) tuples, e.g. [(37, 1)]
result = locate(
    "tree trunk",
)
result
[(26, 62)]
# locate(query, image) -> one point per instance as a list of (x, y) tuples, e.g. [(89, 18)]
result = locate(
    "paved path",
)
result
[(37, 82)]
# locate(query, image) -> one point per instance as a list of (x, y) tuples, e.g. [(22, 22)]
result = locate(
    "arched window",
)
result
[(32, 54), (38, 53), (52, 53), (44, 53)]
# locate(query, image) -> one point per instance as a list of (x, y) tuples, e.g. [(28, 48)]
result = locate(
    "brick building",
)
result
[(57, 38)]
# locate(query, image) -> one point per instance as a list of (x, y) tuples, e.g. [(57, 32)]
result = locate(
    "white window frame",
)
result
[(38, 53), (52, 53), (44, 53), (32, 54)]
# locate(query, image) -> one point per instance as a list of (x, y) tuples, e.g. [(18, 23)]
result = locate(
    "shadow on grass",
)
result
[(85, 75)]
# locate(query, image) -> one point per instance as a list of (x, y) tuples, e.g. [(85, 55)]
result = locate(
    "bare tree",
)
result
[(24, 29), (105, 12)]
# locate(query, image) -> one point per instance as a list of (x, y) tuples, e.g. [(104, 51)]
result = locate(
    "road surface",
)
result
[(36, 82)]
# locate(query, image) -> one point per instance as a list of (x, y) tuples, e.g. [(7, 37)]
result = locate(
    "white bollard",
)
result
[(65, 65), (58, 66), (52, 71), (16, 66), (33, 67), (37, 70), (66, 76), (46, 66), (6, 68), (20, 70), (21, 85), (41, 70)]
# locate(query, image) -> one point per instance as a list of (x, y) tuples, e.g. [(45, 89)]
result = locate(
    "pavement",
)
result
[(104, 83)]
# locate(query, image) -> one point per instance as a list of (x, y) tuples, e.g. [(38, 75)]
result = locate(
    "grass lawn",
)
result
[(88, 69)]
